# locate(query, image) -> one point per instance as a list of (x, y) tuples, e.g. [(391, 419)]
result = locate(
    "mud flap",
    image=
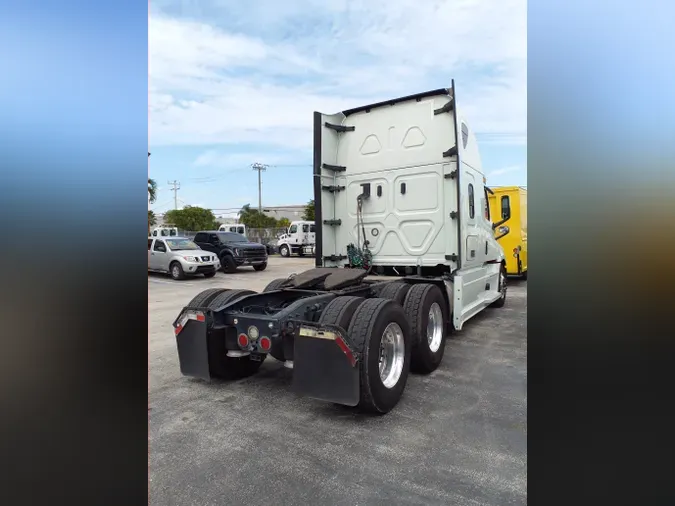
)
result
[(192, 341), (325, 365)]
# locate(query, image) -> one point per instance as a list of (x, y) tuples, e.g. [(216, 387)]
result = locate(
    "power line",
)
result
[(228, 174), (260, 168), (176, 187)]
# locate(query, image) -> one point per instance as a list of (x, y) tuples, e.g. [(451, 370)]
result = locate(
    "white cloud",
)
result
[(241, 78), (225, 160), (505, 170)]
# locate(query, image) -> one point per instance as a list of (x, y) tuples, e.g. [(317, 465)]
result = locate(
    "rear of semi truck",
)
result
[(405, 253), (402, 180)]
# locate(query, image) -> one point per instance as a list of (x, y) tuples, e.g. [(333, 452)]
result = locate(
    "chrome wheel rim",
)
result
[(284, 251), (392, 355), (175, 271), (435, 327)]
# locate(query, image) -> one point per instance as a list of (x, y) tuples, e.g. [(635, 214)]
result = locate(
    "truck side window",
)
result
[(154, 233), (213, 239), (312, 228), (293, 229), (149, 243), (160, 246), (465, 135), (487, 205), (506, 208), (305, 228), (201, 237), (472, 206)]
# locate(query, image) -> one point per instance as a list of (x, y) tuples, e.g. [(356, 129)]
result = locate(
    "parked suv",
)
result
[(180, 257), (233, 250)]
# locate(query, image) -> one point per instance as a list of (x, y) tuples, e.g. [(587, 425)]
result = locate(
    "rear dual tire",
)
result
[(380, 333), (275, 284), (427, 310)]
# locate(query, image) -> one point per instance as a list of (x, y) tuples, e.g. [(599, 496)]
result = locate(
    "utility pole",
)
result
[(176, 187), (260, 168)]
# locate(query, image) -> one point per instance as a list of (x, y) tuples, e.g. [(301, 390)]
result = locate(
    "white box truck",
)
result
[(405, 253)]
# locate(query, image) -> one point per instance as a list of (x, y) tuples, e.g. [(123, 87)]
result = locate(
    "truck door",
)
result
[(304, 237), (158, 256), (293, 234), (312, 234)]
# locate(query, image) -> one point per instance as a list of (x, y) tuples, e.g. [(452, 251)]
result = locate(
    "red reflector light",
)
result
[(345, 349), (265, 343), (178, 328), (201, 317), (243, 340)]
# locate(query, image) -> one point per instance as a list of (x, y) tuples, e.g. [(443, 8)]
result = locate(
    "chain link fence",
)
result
[(259, 235)]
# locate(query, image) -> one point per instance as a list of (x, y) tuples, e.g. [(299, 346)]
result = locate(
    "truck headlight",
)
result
[(190, 259), (503, 229)]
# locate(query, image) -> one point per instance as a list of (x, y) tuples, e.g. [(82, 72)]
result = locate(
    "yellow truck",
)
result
[(508, 212)]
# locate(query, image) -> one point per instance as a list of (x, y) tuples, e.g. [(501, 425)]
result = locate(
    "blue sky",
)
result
[(232, 83)]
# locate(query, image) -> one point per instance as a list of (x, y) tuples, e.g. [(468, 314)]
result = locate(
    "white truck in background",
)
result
[(299, 239), (165, 232), (236, 228)]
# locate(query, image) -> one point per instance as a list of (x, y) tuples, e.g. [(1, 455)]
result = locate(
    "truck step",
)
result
[(450, 152), (332, 188), (339, 128), (334, 168), (446, 108)]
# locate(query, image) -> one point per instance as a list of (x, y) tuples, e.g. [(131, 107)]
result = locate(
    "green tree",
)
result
[(283, 223), (152, 190), (191, 218), (152, 219), (309, 211), (253, 218)]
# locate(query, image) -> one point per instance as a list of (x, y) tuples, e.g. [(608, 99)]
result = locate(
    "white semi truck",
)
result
[(299, 239), (405, 254)]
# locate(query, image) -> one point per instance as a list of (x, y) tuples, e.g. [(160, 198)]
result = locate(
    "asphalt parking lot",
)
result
[(458, 436)]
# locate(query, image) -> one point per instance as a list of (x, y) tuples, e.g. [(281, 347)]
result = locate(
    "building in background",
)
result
[(291, 213)]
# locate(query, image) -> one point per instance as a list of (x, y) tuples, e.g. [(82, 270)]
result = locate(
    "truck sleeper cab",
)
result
[(399, 193)]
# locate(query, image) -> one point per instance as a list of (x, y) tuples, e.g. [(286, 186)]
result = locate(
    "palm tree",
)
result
[(152, 220), (152, 190)]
